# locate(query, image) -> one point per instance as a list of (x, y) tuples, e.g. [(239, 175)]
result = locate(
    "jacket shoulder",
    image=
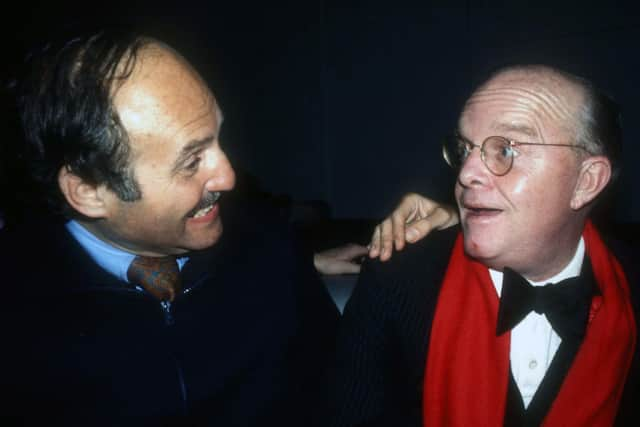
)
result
[(424, 260)]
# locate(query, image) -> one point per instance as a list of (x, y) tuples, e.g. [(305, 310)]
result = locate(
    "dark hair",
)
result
[(64, 102)]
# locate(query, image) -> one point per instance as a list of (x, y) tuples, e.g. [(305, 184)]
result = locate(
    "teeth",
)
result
[(212, 198), (203, 211)]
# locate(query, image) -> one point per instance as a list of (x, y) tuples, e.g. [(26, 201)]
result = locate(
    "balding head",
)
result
[(529, 214), (539, 94), (590, 116)]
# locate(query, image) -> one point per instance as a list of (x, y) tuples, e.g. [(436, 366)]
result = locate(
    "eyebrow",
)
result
[(191, 147), (518, 128)]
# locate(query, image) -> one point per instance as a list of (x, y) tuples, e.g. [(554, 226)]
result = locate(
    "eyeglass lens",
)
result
[(496, 153)]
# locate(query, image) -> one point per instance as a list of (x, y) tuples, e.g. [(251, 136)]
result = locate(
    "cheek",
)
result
[(457, 191), (515, 190), (522, 189), (163, 208), (520, 186), (176, 204), (541, 199)]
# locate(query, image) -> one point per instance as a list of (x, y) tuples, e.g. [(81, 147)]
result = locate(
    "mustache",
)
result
[(207, 200)]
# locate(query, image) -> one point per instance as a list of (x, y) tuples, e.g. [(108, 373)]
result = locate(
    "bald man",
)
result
[(523, 316)]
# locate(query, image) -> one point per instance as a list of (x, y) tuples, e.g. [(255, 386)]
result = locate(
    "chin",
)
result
[(480, 246), (204, 240)]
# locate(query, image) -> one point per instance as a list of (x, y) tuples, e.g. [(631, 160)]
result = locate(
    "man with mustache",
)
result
[(135, 308), (525, 316)]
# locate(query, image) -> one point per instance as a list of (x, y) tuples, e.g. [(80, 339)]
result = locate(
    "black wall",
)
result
[(346, 101)]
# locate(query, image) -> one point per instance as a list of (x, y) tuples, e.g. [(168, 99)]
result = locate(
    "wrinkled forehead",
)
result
[(535, 103)]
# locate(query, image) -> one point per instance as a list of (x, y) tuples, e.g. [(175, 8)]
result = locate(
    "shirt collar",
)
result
[(114, 260)]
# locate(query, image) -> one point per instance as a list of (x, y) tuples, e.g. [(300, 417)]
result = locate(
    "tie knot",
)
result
[(160, 276), (543, 298)]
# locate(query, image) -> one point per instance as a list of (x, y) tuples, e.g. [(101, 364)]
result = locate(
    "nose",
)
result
[(473, 171), (220, 174)]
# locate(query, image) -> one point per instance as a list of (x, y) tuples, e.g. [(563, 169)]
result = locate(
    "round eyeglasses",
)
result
[(496, 152)]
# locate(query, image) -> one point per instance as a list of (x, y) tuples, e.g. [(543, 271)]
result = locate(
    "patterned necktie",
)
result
[(158, 275), (565, 304)]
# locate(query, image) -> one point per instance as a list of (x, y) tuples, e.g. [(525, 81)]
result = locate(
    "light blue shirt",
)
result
[(114, 260)]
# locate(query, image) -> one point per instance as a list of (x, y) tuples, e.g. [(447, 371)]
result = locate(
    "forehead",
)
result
[(537, 104), (164, 98)]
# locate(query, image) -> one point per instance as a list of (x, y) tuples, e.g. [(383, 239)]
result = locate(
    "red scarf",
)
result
[(468, 366)]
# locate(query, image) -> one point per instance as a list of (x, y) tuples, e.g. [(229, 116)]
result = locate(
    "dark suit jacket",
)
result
[(244, 346), (378, 373)]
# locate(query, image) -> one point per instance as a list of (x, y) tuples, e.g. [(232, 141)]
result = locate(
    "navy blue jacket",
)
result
[(245, 345)]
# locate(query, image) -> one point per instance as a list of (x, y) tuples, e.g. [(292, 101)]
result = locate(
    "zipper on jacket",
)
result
[(167, 312), (183, 387), (169, 319)]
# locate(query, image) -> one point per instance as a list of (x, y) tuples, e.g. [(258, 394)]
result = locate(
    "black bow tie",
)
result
[(565, 304)]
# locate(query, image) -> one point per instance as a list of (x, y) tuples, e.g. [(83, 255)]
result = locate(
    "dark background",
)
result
[(345, 102)]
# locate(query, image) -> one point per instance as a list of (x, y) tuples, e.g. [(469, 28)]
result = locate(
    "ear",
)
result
[(85, 198), (594, 175)]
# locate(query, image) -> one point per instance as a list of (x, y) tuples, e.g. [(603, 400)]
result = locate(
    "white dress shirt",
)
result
[(533, 341)]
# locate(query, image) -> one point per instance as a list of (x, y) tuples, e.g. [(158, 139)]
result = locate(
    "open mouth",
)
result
[(482, 211), (206, 205), (479, 210)]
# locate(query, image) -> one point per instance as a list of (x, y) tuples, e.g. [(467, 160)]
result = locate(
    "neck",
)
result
[(107, 235), (552, 262)]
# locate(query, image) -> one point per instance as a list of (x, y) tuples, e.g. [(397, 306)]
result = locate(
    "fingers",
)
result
[(350, 251), (386, 239), (390, 233), (419, 229), (383, 240), (341, 260), (374, 244), (414, 206), (440, 218), (444, 216), (345, 252), (345, 267), (398, 221), (377, 245), (454, 218), (330, 265), (412, 220)]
